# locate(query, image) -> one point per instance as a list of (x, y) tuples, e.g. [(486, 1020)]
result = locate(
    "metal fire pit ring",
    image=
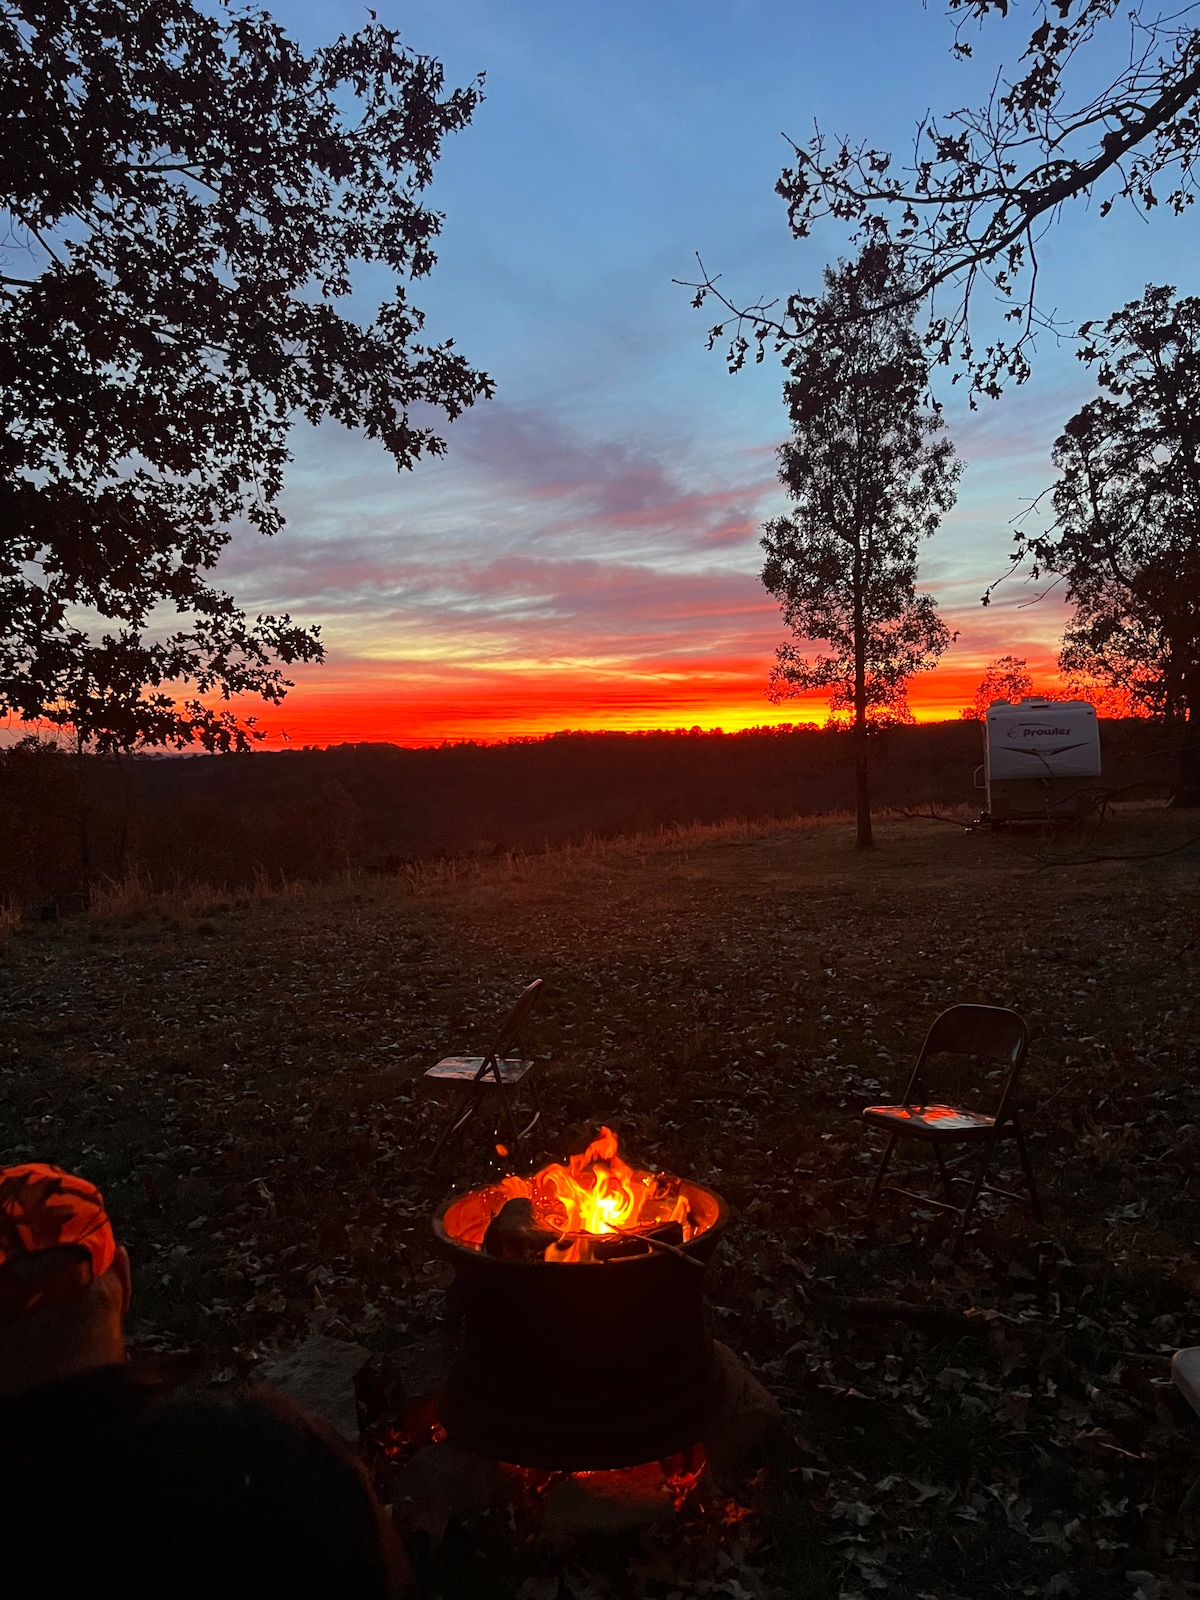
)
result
[(583, 1366)]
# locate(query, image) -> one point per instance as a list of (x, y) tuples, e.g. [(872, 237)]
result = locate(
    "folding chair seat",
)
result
[(990, 1034), (496, 1078)]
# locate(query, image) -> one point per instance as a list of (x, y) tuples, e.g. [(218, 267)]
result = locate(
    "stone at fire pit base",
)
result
[(748, 1424), (319, 1375), (607, 1503), (440, 1482), (445, 1481)]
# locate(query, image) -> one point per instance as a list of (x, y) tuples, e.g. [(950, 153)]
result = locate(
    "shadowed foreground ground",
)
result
[(239, 1078)]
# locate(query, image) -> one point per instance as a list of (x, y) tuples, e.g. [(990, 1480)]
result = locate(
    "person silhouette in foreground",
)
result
[(112, 1482)]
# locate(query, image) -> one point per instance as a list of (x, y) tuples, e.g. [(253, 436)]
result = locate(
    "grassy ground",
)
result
[(240, 1078)]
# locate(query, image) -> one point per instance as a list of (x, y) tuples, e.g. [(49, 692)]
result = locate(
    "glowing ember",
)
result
[(596, 1194)]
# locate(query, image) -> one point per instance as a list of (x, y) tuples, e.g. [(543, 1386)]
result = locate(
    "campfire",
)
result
[(581, 1295), (596, 1208)]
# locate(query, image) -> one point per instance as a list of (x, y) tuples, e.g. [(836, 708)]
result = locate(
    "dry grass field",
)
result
[(240, 1078)]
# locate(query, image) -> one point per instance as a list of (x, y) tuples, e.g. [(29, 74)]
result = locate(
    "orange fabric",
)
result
[(41, 1208)]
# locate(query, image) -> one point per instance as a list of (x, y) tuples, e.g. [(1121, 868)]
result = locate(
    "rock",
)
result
[(319, 1375), (424, 1364), (747, 1425), (440, 1482), (607, 1503), (1185, 1370)]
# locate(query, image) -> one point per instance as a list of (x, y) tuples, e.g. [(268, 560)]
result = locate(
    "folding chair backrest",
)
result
[(510, 1029), (991, 1033)]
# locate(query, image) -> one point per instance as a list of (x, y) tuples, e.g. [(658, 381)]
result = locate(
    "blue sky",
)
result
[(586, 554)]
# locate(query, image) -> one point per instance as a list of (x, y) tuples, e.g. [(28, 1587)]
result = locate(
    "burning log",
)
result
[(513, 1234), (631, 1242)]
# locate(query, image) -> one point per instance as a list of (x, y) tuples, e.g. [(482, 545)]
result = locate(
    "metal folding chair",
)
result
[(989, 1033), (499, 1074)]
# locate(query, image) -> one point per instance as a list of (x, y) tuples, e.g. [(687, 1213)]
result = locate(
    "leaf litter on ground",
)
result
[(245, 1089)]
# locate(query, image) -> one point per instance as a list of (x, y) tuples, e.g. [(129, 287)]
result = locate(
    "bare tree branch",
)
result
[(983, 181)]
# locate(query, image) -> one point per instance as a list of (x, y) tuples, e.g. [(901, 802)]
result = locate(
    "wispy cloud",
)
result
[(542, 567), (530, 451), (540, 577), (532, 539)]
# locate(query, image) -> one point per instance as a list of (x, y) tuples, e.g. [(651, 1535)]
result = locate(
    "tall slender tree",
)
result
[(871, 475)]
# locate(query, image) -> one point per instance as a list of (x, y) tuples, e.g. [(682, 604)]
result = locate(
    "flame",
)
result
[(596, 1194)]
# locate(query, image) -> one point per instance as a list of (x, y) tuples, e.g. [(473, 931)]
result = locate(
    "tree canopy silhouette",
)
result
[(1006, 678), (870, 478), (1126, 528), (985, 180), (186, 196)]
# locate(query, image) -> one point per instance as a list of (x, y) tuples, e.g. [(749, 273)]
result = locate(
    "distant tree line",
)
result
[(313, 814)]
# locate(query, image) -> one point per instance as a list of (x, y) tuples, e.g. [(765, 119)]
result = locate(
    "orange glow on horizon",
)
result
[(492, 708), (365, 702)]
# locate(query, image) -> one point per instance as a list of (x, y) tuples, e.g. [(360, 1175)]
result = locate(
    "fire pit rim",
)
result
[(701, 1245)]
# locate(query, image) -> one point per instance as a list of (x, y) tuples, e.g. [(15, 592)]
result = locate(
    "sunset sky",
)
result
[(586, 555)]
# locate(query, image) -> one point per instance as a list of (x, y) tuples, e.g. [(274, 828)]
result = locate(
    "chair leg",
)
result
[(876, 1187), (1027, 1168), (468, 1107), (536, 1118), (973, 1197), (513, 1131), (947, 1184), (463, 1112)]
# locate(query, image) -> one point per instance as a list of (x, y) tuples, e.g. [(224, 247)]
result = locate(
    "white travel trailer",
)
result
[(1041, 759)]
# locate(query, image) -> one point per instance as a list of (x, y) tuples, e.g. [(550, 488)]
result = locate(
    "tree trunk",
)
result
[(126, 777), (83, 818), (863, 839)]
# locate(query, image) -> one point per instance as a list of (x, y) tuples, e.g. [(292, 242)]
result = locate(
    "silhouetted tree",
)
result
[(1006, 678), (983, 181), (1126, 530), (186, 195), (870, 478)]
